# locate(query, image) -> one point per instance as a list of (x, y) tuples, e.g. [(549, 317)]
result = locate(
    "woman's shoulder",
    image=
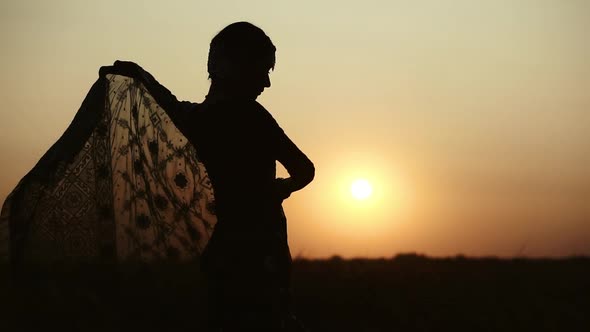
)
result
[(247, 111), (262, 111)]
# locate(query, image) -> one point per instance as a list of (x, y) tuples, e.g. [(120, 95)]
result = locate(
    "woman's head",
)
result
[(241, 56)]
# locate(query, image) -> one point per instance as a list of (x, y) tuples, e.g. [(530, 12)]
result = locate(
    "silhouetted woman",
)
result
[(247, 260)]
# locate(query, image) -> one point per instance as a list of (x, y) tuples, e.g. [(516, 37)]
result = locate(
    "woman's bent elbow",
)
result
[(310, 173)]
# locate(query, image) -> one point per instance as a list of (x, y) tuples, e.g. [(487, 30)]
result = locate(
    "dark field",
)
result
[(407, 293)]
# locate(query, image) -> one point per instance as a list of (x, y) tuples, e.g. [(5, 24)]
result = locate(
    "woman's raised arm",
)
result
[(178, 111)]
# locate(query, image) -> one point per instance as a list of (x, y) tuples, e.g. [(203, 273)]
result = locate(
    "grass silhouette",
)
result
[(406, 293)]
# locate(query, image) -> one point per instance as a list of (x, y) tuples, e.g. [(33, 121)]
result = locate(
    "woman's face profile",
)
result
[(241, 57), (253, 80)]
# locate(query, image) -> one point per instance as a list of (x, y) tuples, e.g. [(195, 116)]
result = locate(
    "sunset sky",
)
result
[(470, 120)]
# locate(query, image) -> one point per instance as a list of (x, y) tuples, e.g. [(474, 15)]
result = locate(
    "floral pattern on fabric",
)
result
[(122, 183)]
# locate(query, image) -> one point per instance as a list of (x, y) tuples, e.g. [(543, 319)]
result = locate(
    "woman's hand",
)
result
[(282, 188)]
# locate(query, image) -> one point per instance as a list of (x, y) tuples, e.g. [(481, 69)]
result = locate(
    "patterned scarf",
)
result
[(121, 184)]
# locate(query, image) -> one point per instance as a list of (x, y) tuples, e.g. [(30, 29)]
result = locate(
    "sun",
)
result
[(361, 189)]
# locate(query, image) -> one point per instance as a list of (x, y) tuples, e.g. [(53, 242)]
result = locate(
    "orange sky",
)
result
[(471, 119)]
